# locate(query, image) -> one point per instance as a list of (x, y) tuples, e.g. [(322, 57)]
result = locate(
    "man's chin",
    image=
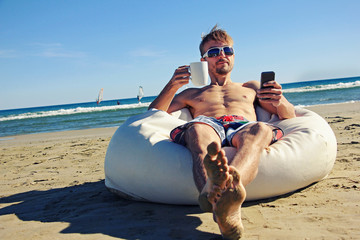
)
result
[(223, 70)]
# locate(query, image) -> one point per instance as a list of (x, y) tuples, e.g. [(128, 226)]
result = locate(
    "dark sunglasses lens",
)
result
[(213, 52), (228, 51)]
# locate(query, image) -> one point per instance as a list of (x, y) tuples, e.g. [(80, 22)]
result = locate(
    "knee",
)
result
[(200, 134), (259, 128), (194, 130)]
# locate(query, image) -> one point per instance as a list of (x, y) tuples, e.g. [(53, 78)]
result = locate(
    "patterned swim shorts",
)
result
[(226, 127)]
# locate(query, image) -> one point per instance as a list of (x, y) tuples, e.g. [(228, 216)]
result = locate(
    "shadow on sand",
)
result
[(91, 208)]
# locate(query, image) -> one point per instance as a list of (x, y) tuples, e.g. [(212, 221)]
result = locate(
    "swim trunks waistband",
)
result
[(231, 118), (225, 126)]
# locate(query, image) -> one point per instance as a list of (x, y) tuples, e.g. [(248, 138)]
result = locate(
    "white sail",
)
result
[(100, 97), (140, 94)]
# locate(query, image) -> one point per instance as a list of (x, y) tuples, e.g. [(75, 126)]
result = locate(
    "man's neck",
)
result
[(221, 80)]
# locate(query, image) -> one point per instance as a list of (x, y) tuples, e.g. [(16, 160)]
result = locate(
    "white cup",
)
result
[(199, 73)]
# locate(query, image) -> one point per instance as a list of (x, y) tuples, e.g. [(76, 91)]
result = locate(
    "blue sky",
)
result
[(58, 52)]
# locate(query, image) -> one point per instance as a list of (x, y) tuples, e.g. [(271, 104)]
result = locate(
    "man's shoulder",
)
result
[(252, 84), (188, 93)]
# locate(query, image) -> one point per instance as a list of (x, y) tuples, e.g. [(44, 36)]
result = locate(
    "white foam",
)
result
[(323, 87), (325, 104), (71, 111)]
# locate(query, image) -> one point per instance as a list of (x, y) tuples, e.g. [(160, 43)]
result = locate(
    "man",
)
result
[(224, 115)]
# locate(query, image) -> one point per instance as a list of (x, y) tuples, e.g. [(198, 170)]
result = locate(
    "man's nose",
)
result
[(222, 53)]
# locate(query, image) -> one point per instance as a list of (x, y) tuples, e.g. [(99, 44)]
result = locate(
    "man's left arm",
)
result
[(273, 100)]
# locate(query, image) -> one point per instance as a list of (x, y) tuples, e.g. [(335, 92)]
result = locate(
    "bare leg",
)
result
[(226, 192), (250, 142), (198, 137)]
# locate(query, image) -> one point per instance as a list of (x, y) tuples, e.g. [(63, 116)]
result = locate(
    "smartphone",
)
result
[(266, 77)]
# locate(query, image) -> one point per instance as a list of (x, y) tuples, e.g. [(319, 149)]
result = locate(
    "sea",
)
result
[(113, 113)]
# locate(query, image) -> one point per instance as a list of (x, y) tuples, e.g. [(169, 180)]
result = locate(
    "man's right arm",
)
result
[(165, 101)]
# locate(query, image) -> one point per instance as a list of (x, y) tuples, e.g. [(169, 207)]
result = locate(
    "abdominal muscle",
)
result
[(216, 101)]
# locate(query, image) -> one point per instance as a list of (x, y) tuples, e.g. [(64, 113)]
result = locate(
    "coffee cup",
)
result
[(199, 73)]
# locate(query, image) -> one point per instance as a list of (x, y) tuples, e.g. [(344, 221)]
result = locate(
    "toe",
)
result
[(213, 149)]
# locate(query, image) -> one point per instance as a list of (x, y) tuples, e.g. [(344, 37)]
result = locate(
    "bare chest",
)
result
[(218, 101)]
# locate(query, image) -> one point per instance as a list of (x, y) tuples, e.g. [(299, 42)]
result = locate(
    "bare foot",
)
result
[(216, 166), (223, 193), (227, 209), (217, 170)]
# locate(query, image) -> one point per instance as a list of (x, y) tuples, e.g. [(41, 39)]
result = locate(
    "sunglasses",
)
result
[(216, 51)]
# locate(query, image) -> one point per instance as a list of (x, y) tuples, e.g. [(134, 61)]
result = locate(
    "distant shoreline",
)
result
[(322, 110), (152, 97)]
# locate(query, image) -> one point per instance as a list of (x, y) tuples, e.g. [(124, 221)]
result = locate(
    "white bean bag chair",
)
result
[(142, 163)]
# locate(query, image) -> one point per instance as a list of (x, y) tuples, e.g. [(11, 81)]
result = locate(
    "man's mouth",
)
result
[(221, 62)]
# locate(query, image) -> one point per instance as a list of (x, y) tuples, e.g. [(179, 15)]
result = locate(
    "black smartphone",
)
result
[(266, 77)]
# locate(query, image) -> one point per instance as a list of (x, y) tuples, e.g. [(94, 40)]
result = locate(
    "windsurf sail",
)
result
[(140, 94), (100, 97)]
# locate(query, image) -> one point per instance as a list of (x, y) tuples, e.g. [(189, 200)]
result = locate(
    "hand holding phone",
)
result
[(266, 77)]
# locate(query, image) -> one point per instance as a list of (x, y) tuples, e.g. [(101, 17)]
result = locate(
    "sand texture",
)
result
[(52, 187)]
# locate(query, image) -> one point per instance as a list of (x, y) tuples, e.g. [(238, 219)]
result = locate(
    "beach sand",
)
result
[(52, 187)]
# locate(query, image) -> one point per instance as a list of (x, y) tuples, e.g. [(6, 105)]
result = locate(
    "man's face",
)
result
[(222, 64)]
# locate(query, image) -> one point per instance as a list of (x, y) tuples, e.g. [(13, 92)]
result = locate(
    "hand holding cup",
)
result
[(199, 73)]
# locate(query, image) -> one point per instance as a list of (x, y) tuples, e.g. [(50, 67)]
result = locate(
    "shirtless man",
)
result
[(221, 181)]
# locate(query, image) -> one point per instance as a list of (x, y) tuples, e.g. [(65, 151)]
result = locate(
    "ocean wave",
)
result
[(315, 88), (324, 104), (71, 111)]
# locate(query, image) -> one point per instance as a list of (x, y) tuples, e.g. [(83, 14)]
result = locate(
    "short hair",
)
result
[(216, 34)]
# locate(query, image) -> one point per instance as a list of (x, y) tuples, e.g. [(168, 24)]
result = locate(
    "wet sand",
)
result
[(52, 187)]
